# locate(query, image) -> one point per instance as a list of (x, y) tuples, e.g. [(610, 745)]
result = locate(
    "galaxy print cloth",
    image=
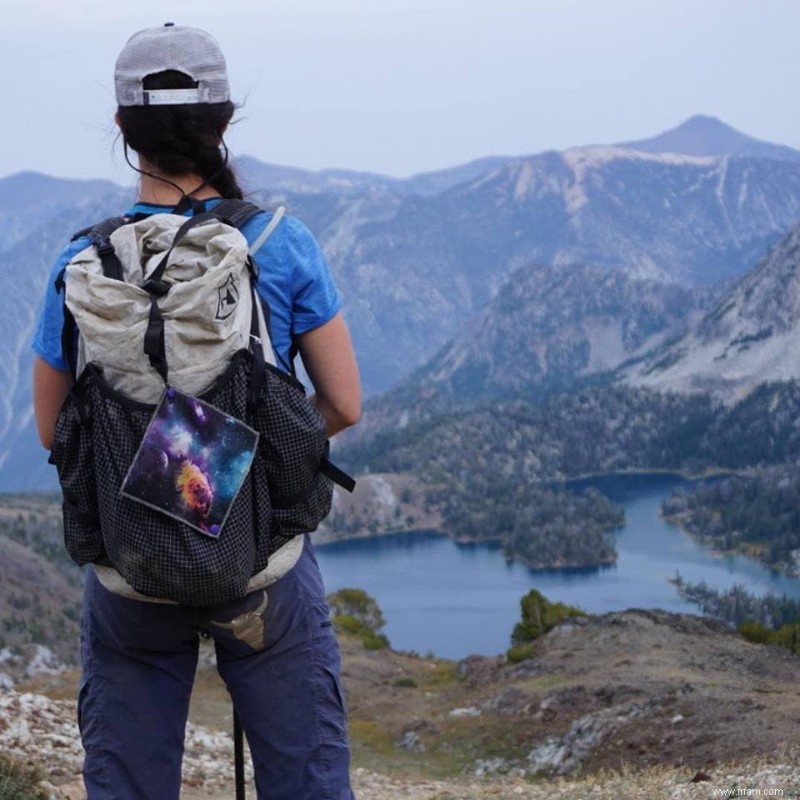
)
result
[(192, 462)]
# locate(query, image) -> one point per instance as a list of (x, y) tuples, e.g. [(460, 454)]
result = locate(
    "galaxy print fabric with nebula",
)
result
[(192, 462)]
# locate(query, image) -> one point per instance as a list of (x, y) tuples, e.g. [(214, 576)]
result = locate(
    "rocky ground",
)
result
[(39, 730), (381, 503), (623, 705)]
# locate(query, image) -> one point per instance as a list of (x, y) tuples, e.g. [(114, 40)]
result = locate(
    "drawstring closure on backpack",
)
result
[(156, 287)]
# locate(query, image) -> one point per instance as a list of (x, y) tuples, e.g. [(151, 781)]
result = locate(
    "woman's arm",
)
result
[(50, 390), (328, 357)]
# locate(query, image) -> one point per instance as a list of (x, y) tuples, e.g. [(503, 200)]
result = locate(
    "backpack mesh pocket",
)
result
[(72, 454), (292, 440), (157, 554), (284, 494), (305, 515)]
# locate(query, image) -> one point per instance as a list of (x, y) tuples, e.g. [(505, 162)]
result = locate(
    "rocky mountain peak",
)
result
[(702, 135)]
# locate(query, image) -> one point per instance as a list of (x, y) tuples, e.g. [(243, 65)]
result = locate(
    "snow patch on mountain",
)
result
[(591, 157)]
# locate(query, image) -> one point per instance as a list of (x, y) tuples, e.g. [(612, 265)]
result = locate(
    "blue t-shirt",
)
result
[(293, 278)]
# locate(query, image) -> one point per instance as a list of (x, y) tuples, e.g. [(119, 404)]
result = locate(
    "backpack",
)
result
[(162, 317)]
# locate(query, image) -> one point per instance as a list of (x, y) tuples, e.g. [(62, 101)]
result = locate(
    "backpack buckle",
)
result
[(158, 288), (104, 248)]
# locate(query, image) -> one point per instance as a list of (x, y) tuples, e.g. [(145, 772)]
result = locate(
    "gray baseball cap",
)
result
[(171, 47)]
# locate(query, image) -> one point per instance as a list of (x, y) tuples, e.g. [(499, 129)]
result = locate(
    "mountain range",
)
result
[(415, 265), (552, 329), (629, 244), (751, 337), (549, 326)]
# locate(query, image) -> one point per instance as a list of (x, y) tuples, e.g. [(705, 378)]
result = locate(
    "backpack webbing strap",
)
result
[(69, 330), (154, 339), (154, 284), (338, 476), (262, 237), (237, 212), (330, 471), (100, 237), (257, 349), (106, 228), (154, 342)]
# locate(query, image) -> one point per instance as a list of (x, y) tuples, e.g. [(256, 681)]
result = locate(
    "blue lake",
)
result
[(454, 600)]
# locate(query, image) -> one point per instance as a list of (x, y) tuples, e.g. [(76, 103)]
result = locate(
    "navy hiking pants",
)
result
[(276, 652)]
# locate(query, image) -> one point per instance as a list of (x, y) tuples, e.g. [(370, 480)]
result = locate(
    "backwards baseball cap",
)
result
[(171, 47)]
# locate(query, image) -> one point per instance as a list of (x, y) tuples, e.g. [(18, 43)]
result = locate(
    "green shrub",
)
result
[(19, 781), (405, 682), (353, 611), (787, 636), (357, 603), (519, 652), (539, 616), (347, 624), (755, 632), (374, 641)]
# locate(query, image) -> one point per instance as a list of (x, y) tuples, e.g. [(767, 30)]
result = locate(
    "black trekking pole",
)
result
[(238, 755)]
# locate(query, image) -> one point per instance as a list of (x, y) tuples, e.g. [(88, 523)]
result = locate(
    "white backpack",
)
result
[(163, 306), (205, 314)]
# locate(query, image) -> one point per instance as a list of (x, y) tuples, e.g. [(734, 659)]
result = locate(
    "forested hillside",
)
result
[(757, 514)]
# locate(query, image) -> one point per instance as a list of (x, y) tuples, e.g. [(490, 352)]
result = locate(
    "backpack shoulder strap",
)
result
[(100, 230), (237, 212), (100, 236)]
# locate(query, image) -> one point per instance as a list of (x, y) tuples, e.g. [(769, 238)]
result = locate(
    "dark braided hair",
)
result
[(182, 139)]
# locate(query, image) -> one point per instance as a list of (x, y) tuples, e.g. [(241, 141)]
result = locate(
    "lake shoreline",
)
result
[(743, 550), (454, 599), (326, 538), (711, 472)]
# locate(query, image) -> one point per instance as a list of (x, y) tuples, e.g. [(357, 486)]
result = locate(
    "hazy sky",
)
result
[(404, 86)]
